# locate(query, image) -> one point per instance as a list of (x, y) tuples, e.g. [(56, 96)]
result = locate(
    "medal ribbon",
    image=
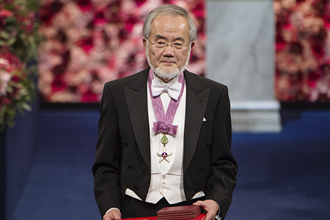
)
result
[(164, 121)]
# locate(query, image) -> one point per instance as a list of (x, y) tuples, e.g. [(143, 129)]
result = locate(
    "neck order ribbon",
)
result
[(164, 121)]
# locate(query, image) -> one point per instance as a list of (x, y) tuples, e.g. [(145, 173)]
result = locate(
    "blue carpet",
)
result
[(284, 176), (60, 185), (281, 176)]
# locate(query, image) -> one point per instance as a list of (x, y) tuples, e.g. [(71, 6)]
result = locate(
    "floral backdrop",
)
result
[(19, 38), (302, 50), (89, 42)]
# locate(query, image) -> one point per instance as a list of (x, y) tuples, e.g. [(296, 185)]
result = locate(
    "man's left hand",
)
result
[(210, 206)]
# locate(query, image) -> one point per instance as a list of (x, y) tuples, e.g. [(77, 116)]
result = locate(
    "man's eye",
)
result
[(160, 43), (178, 44)]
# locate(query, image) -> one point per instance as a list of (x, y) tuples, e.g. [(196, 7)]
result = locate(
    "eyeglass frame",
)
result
[(167, 44)]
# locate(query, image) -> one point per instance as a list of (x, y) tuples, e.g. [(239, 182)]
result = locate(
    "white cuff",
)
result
[(217, 217), (110, 210)]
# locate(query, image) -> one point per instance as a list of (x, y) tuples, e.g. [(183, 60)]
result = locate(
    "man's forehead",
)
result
[(163, 18), (170, 24)]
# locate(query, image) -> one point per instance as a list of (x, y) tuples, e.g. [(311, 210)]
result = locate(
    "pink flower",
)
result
[(3, 63), (5, 13), (4, 79)]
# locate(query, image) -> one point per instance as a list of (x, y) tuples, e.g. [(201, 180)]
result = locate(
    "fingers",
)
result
[(210, 206)]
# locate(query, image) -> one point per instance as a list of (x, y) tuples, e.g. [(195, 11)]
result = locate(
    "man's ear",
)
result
[(144, 43), (192, 44)]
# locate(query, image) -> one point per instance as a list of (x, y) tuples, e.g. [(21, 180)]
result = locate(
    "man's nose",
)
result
[(168, 51)]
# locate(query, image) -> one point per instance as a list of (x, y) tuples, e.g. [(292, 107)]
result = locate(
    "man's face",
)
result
[(168, 60)]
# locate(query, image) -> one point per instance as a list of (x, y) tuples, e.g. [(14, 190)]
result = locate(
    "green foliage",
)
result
[(19, 39)]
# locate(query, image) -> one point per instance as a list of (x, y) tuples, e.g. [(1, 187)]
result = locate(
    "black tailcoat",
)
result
[(122, 157)]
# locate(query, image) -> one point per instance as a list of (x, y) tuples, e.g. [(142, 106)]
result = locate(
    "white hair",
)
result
[(172, 10)]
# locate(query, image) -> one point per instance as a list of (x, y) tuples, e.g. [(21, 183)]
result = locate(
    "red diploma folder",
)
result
[(200, 217), (179, 212), (190, 212)]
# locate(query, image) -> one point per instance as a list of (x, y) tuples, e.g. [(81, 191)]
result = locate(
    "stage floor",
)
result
[(281, 176)]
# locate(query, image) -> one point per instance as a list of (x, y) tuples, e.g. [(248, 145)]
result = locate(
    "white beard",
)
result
[(167, 74)]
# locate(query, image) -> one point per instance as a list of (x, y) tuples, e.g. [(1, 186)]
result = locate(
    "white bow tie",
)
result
[(172, 89)]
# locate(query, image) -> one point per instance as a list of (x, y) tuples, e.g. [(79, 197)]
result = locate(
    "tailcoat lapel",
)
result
[(136, 97), (196, 102)]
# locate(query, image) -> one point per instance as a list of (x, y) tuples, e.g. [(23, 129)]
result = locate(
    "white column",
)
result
[(240, 54)]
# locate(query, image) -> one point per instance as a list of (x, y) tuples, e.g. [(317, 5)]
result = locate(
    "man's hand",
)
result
[(210, 206), (112, 214)]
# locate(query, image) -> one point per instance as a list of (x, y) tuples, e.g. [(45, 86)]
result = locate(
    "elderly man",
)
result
[(164, 133)]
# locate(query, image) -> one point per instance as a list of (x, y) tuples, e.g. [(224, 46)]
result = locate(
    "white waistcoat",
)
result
[(166, 177)]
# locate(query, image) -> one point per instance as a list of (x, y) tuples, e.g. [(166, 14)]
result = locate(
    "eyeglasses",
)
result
[(161, 45)]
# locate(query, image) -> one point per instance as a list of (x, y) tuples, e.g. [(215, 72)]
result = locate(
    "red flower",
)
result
[(318, 51), (279, 46), (85, 5), (89, 96), (280, 43), (139, 2), (15, 79), (199, 11), (130, 23), (14, 93), (4, 101), (15, 63), (288, 27), (27, 22), (99, 19), (112, 12), (46, 14), (9, 1), (326, 18), (312, 79), (58, 84), (296, 48), (86, 44)]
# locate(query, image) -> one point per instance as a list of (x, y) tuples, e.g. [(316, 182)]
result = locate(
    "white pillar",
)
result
[(240, 54)]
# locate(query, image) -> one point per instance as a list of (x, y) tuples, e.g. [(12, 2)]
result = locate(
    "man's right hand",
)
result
[(112, 214)]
